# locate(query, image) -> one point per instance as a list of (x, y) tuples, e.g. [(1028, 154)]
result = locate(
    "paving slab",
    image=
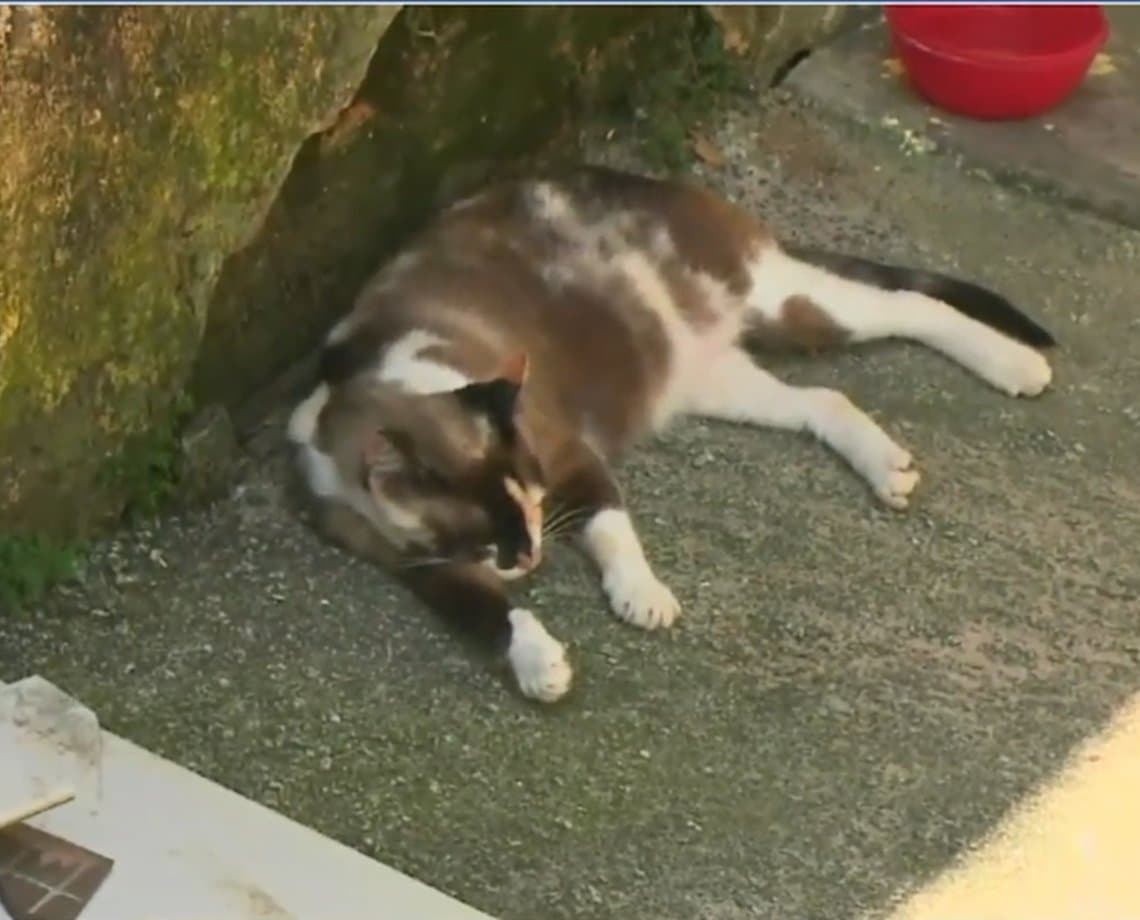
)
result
[(854, 698), (1085, 152), (178, 844)]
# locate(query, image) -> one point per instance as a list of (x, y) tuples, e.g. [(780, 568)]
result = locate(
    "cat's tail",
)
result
[(973, 300)]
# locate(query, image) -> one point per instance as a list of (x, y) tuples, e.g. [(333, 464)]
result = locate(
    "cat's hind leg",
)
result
[(799, 303), (735, 389)]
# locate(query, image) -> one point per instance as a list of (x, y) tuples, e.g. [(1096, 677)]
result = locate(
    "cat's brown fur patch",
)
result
[(802, 323), (715, 236), (350, 530), (809, 325), (489, 268), (710, 234), (694, 299)]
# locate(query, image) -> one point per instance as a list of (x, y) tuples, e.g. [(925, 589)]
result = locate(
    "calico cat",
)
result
[(472, 403)]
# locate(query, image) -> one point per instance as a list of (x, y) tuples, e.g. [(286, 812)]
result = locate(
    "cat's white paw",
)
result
[(1015, 368), (894, 476), (896, 487), (537, 659), (635, 594), (638, 597), (888, 468)]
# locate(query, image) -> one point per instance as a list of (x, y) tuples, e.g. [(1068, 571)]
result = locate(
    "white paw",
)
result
[(895, 478), (887, 467), (637, 597), (537, 659), (1015, 369)]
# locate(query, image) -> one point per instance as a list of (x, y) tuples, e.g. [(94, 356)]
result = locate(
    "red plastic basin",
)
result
[(996, 61)]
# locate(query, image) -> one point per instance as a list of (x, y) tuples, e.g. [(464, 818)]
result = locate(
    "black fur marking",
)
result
[(970, 299), (496, 399), (467, 597), (344, 360), (511, 537)]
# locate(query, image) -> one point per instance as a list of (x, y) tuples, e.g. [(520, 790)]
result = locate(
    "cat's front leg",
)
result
[(609, 538), (636, 595), (473, 599)]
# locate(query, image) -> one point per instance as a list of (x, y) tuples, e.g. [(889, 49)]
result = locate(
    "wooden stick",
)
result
[(38, 806)]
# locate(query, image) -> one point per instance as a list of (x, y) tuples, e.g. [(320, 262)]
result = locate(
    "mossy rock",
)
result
[(141, 145), (191, 196), (454, 96), (769, 37)]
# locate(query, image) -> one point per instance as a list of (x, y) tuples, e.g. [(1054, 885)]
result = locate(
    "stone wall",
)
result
[(452, 97), (190, 196), (140, 146), (771, 35)]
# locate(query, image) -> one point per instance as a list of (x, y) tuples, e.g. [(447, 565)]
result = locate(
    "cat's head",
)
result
[(452, 476)]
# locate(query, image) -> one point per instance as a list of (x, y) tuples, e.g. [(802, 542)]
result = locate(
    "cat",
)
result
[(472, 404)]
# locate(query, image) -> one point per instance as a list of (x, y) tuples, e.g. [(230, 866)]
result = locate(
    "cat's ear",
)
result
[(379, 460), (380, 454), (376, 448), (514, 368), (498, 398), (495, 399)]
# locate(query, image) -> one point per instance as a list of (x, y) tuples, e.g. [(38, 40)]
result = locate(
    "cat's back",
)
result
[(601, 277), (606, 210), (590, 244)]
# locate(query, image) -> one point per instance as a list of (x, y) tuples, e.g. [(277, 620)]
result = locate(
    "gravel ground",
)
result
[(853, 697)]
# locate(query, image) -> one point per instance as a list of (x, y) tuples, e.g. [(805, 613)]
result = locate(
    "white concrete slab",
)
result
[(188, 849), (49, 747)]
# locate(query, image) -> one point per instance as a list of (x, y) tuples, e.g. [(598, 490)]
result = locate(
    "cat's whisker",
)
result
[(556, 532), (550, 525), (560, 517), (424, 563), (554, 514), (566, 523), (565, 532), (558, 525)]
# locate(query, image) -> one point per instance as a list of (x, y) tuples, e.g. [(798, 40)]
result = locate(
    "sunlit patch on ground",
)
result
[(1069, 853)]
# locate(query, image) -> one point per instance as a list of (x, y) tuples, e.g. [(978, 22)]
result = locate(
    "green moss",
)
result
[(29, 566), (141, 146), (452, 98), (145, 471), (684, 81)]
